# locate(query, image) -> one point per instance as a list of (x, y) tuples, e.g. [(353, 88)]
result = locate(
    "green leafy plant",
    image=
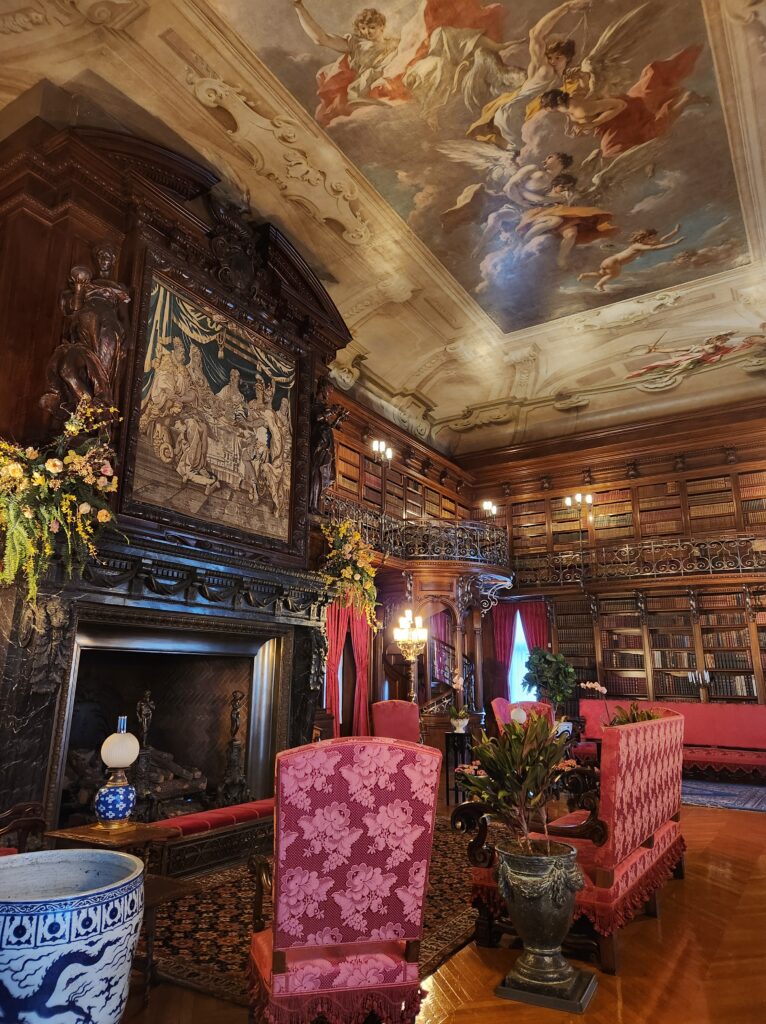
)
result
[(551, 676), (60, 490), (348, 568), (633, 714), (515, 773), (462, 713)]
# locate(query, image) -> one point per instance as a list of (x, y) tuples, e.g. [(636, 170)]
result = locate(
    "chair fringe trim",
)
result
[(396, 1005), (606, 919)]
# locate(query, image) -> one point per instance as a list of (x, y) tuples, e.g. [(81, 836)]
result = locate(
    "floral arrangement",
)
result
[(61, 491), (462, 713), (515, 773), (621, 717), (348, 568), (551, 676)]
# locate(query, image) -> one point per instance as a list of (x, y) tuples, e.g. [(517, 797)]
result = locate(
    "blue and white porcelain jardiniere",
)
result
[(69, 923)]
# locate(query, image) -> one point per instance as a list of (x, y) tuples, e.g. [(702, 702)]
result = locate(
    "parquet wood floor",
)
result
[(702, 962)]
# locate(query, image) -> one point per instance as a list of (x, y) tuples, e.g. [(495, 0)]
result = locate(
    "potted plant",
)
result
[(551, 676), (511, 779), (459, 720)]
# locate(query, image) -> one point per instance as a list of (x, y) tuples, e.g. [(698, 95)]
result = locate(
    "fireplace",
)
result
[(191, 679)]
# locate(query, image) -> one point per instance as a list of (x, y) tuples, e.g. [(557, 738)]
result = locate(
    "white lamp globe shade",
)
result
[(119, 750), (519, 715)]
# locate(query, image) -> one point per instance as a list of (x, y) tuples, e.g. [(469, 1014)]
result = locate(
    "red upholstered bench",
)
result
[(208, 839), (722, 738)]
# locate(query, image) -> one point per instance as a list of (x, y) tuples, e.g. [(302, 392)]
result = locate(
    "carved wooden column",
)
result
[(478, 659)]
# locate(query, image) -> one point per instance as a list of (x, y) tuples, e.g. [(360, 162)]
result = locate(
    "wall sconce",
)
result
[(381, 451), (488, 506)]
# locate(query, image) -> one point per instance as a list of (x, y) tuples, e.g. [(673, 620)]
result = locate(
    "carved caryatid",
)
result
[(87, 362), (325, 417)]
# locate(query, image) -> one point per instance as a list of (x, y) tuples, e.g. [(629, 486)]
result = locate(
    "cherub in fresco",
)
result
[(430, 61), (647, 240), (682, 361), (574, 225), (645, 112)]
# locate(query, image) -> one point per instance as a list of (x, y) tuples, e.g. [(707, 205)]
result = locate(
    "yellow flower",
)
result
[(15, 471), (31, 453), (54, 466), (27, 512), (84, 508), (103, 515), (38, 479)]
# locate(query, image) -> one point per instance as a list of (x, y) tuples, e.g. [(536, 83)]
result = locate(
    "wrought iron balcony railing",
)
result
[(423, 539), (647, 559)]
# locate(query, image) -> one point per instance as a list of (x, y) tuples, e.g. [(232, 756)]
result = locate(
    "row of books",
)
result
[(674, 659), (676, 640), (620, 621), (732, 660), (722, 619), (726, 638), (622, 659), (668, 621), (733, 686), (623, 641)]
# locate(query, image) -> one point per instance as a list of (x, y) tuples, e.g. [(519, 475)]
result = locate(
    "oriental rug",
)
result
[(734, 796), (202, 942)]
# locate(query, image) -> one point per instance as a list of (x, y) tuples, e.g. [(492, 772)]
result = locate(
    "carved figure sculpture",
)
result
[(145, 710), (236, 703), (325, 417), (86, 363)]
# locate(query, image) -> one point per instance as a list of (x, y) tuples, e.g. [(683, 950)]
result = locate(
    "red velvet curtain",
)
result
[(337, 624), (360, 640), (504, 629), (440, 626), (534, 622)]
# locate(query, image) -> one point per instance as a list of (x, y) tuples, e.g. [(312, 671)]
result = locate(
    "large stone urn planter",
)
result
[(69, 923), (539, 889)]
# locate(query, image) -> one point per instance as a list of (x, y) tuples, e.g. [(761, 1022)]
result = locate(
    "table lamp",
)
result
[(115, 801)]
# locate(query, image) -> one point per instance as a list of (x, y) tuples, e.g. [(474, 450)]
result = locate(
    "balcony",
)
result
[(423, 539), (648, 559)]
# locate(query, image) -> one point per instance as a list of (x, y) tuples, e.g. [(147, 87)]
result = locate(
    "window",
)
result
[(518, 668)]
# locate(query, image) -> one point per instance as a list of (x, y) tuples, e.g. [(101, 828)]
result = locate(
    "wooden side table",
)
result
[(133, 838), (158, 890)]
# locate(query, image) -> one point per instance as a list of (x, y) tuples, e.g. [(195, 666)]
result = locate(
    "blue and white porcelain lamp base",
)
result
[(116, 800)]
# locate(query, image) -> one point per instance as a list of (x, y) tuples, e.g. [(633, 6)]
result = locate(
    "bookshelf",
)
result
[(752, 492), (347, 469), (529, 528), (711, 505), (372, 490), (613, 515), (621, 635), (574, 635), (566, 526), (672, 646), (660, 509), (394, 493), (726, 646)]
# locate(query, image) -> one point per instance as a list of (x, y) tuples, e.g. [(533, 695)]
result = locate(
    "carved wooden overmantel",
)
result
[(62, 192)]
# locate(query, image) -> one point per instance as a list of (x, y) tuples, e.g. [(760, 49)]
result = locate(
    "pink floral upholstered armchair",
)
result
[(354, 822), (502, 709), (396, 719)]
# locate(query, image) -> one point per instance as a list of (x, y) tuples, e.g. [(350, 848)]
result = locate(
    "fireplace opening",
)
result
[(201, 707)]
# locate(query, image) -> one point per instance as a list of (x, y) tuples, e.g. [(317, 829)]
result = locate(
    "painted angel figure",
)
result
[(434, 55), (684, 360), (645, 112), (647, 240)]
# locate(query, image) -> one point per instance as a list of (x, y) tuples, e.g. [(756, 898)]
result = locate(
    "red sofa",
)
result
[(207, 839), (628, 845), (719, 737)]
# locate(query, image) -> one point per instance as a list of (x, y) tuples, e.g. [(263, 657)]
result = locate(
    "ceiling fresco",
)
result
[(554, 157), (537, 219)]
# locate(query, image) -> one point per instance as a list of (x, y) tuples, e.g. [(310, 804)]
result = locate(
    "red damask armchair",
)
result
[(354, 823), (628, 840), (396, 719), (502, 709)]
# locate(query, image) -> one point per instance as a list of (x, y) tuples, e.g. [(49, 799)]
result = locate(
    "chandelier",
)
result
[(410, 636)]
